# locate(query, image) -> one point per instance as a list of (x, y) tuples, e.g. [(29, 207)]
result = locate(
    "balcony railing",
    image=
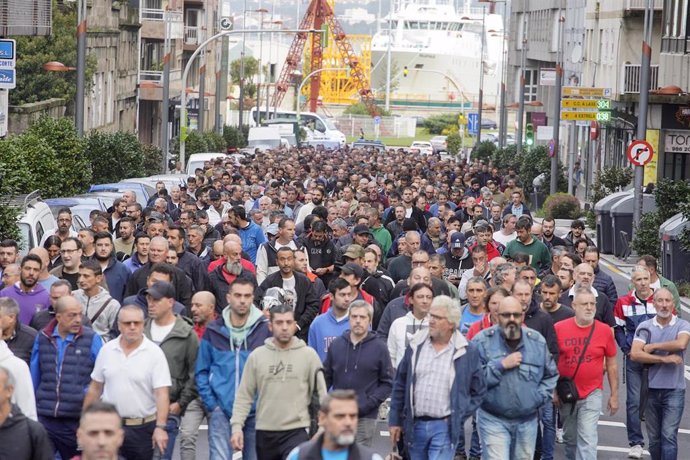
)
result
[(155, 76), (631, 78), (152, 14), (642, 4), (191, 35)]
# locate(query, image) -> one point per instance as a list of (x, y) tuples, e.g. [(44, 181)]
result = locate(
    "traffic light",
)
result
[(529, 134), (405, 71), (324, 36)]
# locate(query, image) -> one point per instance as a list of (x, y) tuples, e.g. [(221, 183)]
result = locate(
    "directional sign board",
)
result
[(472, 122), (586, 116), (598, 104), (377, 120), (640, 152), (8, 61), (586, 92)]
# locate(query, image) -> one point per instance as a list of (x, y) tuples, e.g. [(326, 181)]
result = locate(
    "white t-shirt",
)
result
[(158, 333), (289, 288), (503, 238), (129, 381)]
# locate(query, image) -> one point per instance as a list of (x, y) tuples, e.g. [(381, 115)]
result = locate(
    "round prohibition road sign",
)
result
[(640, 152)]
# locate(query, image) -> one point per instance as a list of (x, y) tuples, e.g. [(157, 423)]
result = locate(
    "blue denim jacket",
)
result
[(518, 392)]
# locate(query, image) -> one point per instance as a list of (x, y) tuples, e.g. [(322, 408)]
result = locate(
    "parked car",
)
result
[(34, 221), (423, 147), (488, 124), (439, 143), (144, 192), (81, 207), (489, 137), (170, 180), (368, 144)]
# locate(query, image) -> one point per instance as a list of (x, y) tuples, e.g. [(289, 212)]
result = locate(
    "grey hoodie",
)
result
[(105, 322), (284, 381)]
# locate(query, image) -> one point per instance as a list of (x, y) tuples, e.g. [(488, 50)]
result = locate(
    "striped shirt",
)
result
[(433, 381)]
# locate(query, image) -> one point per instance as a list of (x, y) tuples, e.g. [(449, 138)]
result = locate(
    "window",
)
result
[(675, 37), (531, 84)]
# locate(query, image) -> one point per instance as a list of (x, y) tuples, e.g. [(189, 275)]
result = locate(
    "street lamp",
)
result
[(306, 79), (261, 11), (55, 66)]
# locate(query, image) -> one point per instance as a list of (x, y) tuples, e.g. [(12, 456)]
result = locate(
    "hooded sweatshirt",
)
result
[(30, 302), (23, 395), (283, 380), (238, 335), (401, 332), (23, 438), (324, 329), (107, 319)]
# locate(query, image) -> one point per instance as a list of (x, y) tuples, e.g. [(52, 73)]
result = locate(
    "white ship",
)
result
[(441, 47)]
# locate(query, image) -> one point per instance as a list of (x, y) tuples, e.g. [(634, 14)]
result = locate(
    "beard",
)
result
[(102, 258), (317, 201), (343, 439), (512, 331), (234, 268), (664, 314)]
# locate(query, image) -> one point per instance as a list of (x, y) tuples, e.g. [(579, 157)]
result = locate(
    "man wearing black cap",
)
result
[(176, 337), (457, 259), (217, 209)]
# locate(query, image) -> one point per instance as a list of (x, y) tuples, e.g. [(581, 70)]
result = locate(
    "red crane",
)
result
[(318, 14)]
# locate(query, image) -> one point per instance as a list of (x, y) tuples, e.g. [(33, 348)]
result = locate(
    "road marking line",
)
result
[(610, 423), (617, 449)]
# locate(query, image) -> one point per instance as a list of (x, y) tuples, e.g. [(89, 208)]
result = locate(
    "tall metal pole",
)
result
[(387, 104), (259, 77), (645, 68), (244, 26), (481, 79), (572, 147), (557, 106), (165, 106), (503, 118), (81, 68), (521, 103), (306, 79), (185, 73), (202, 93)]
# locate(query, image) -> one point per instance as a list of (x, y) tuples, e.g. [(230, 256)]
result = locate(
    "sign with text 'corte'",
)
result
[(677, 141)]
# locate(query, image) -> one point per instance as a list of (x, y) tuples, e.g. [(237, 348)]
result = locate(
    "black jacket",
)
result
[(183, 287), (540, 321), (311, 450), (23, 439), (307, 304), (220, 285), (22, 342), (195, 268)]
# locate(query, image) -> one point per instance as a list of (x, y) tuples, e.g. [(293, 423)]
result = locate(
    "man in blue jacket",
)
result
[(116, 274), (432, 399), (520, 376), (358, 360), (223, 351), (62, 359), (330, 325)]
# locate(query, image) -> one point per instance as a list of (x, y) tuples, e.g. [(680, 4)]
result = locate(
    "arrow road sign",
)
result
[(472, 122), (640, 152)]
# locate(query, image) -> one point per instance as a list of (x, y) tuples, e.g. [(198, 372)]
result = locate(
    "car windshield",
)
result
[(330, 125)]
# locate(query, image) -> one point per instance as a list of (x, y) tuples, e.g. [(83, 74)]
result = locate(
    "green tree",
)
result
[(507, 158), (435, 124), (484, 151), (35, 84), (152, 159), (360, 108), (214, 141), (73, 175), (234, 137), (251, 69), (454, 143), (536, 161), (114, 156)]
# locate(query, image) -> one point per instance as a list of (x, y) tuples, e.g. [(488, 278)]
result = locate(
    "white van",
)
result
[(317, 122), (197, 160)]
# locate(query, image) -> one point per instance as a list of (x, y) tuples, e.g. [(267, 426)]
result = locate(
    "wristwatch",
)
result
[(162, 427)]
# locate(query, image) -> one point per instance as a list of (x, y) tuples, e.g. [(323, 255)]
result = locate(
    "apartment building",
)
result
[(191, 22)]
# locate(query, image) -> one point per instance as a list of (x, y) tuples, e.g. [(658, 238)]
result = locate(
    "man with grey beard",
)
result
[(223, 275)]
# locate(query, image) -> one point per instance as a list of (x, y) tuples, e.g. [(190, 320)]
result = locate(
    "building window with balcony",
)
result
[(676, 27)]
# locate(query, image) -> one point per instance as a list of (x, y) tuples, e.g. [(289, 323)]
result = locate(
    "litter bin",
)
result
[(675, 262), (602, 211), (622, 220)]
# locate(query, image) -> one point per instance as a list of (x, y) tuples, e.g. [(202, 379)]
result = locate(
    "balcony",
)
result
[(152, 10), (152, 76), (191, 35), (640, 5), (631, 78)]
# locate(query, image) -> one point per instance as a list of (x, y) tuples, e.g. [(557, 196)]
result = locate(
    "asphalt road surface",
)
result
[(613, 441)]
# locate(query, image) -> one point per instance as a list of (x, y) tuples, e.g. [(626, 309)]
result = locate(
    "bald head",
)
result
[(43, 254), (203, 307), (64, 303)]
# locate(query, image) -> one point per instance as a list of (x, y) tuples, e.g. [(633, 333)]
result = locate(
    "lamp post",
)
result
[(185, 73), (261, 11), (553, 185), (306, 79), (521, 103), (244, 26), (481, 79), (81, 67)]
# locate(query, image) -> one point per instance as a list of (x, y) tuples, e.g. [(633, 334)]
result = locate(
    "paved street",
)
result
[(613, 443)]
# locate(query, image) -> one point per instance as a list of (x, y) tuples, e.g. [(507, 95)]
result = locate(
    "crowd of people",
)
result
[(292, 302)]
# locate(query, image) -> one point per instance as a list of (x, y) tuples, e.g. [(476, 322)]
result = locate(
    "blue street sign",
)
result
[(8, 79), (7, 48), (472, 122), (377, 120)]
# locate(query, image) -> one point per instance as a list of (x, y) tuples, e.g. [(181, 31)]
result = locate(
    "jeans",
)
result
[(633, 381), (189, 429), (475, 445), (506, 439), (548, 430), (580, 427), (432, 440), (365, 431), (62, 433), (172, 427), (664, 411), (219, 434), (138, 443)]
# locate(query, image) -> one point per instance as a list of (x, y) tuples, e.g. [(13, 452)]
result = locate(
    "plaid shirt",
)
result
[(432, 383)]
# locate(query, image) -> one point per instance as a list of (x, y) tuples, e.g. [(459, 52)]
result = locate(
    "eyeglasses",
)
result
[(510, 315), (68, 251), (420, 262)]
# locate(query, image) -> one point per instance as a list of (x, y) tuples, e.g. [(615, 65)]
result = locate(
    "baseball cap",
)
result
[(457, 240), (161, 289), (214, 195), (354, 251), (272, 229), (352, 269), (361, 229)]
